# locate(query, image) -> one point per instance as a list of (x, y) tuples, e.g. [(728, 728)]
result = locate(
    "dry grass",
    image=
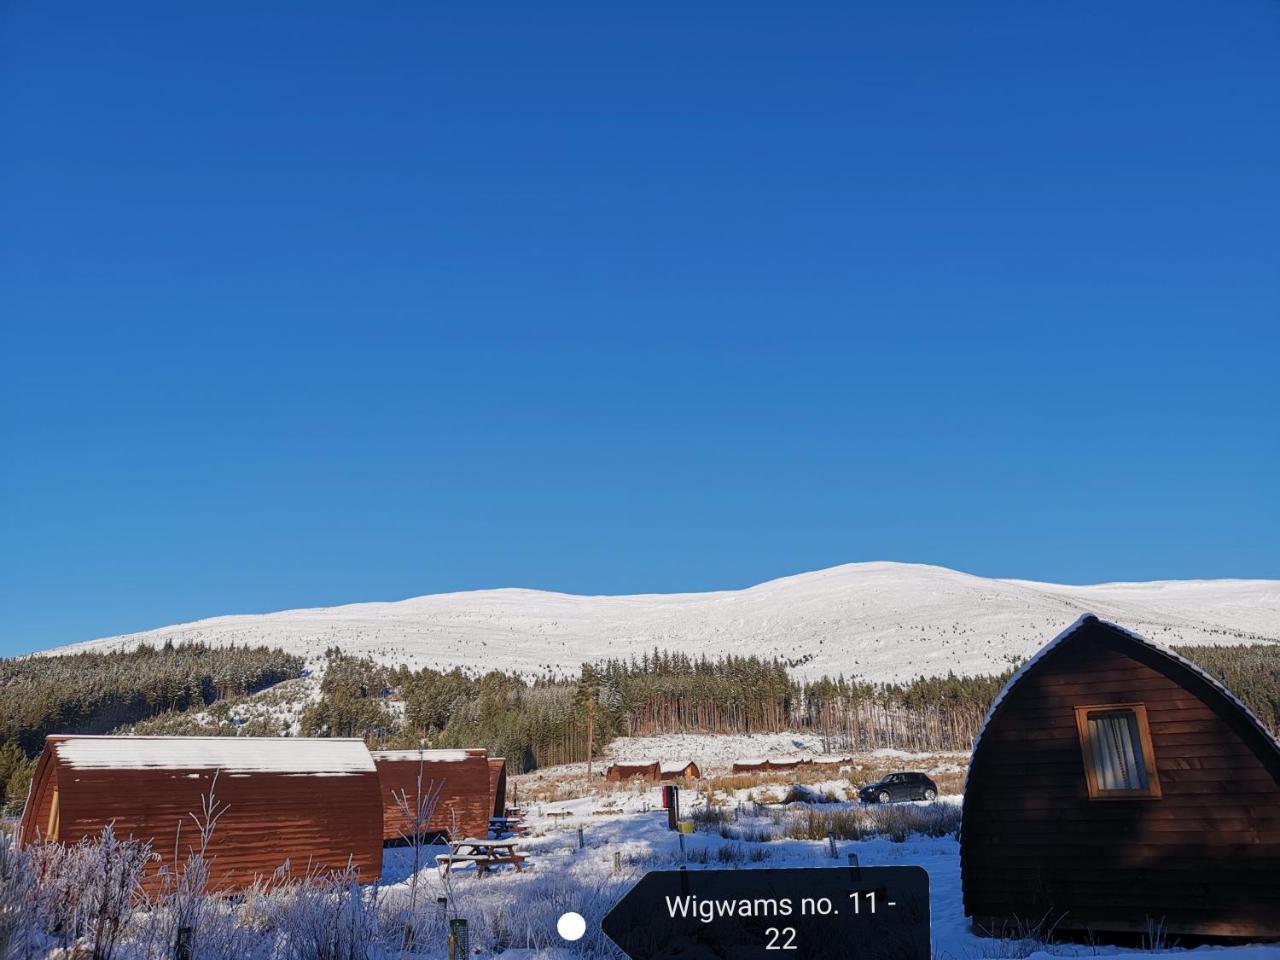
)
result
[(895, 821), (768, 786), (554, 786), (772, 786)]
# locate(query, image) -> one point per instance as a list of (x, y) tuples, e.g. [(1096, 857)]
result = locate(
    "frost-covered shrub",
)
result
[(529, 922), (17, 888), (86, 893), (748, 832), (802, 793), (326, 918), (710, 818)]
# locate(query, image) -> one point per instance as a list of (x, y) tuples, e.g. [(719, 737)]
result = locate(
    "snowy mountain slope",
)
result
[(880, 621)]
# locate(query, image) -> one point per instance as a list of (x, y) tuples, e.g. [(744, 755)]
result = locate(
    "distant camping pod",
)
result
[(460, 777), (1116, 788), (653, 771), (679, 770), (311, 803), (766, 765), (618, 772)]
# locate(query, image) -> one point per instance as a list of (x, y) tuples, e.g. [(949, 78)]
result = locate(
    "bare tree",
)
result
[(416, 814), (184, 888)]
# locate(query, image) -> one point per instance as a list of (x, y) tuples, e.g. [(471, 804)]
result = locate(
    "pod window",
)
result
[(1119, 761)]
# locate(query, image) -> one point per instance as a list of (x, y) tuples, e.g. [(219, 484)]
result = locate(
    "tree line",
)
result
[(532, 722), (1250, 671), (96, 692)]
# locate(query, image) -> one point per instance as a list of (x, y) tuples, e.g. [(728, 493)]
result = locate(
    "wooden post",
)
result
[(459, 947)]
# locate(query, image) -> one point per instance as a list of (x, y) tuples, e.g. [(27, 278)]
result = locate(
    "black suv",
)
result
[(899, 786)]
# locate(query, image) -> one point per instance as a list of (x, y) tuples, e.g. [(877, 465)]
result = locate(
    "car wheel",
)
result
[(930, 794), (883, 796)]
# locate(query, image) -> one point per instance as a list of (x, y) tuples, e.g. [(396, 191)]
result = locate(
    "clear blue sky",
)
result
[(311, 303)]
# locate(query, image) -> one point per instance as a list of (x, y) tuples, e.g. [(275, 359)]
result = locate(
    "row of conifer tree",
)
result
[(533, 723)]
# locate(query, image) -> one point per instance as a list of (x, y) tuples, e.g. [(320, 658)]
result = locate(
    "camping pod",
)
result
[(498, 785), (763, 766), (457, 779), (1116, 789), (679, 770), (629, 771), (830, 761), (310, 803)]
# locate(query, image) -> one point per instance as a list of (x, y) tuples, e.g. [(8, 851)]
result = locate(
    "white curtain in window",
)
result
[(1117, 751)]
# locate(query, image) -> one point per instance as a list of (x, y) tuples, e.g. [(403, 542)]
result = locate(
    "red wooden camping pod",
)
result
[(1117, 788), (310, 803), (761, 766), (462, 778)]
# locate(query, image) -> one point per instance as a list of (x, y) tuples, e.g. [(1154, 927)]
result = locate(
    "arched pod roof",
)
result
[(1264, 738)]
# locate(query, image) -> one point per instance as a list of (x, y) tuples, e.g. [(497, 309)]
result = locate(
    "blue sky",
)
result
[(315, 303)]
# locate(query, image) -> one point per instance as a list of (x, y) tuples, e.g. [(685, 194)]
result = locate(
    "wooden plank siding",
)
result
[(311, 821), (1203, 857), (462, 776)]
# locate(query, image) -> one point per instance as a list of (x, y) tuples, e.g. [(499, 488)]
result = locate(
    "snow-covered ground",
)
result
[(562, 875), (879, 621)]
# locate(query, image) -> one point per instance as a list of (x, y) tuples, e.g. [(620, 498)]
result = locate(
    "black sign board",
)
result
[(850, 913)]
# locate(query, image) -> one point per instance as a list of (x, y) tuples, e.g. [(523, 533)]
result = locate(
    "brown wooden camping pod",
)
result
[(762, 766), (498, 785), (462, 777), (312, 803), (1116, 788), (679, 770), (628, 771)]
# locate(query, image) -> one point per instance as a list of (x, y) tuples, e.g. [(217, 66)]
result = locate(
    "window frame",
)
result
[(1152, 791)]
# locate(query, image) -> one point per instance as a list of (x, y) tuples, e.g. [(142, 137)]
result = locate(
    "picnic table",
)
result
[(484, 854), (505, 826), (559, 814)]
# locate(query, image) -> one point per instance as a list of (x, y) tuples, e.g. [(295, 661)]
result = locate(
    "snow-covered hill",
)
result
[(880, 621)]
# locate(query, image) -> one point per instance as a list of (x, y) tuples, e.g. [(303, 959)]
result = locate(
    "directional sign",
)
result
[(850, 913)]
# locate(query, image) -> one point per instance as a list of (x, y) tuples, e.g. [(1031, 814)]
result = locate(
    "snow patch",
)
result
[(234, 755)]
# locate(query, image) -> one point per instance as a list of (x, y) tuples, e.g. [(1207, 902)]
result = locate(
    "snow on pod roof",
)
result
[(1164, 651), (674, 766), (293, 755), (427, 756)]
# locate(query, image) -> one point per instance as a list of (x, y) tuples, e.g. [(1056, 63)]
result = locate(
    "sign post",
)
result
[(810, 913)]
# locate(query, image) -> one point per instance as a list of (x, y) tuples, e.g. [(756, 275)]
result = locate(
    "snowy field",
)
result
[(879, 621), (563, 876), (584, 852)]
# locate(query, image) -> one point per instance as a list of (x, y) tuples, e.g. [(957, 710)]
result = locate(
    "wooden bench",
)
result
[(482, 861)]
